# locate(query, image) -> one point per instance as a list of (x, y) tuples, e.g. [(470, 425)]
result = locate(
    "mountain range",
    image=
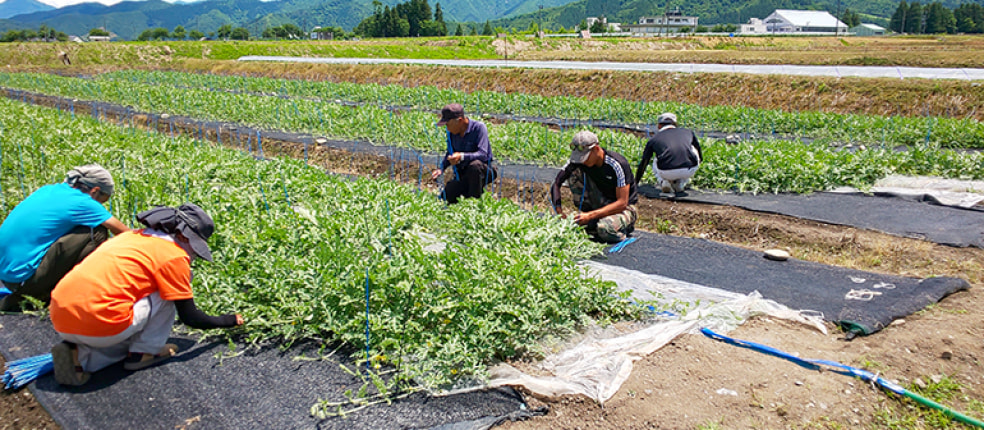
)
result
[(128, 19), (11, 8)]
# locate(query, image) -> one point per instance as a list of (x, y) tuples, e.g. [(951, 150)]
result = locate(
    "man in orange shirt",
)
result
[(120, 302)]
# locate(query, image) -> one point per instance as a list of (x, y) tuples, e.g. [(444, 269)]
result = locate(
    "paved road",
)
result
[(833, 71)]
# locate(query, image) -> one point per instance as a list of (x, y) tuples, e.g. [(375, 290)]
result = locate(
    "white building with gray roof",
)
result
[(803, 21)]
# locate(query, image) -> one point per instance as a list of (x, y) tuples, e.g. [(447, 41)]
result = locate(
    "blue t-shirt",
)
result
[(37, 222)]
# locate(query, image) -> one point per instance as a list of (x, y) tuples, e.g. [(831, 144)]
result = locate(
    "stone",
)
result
[(919, 383), (776, 255), (946, 355)]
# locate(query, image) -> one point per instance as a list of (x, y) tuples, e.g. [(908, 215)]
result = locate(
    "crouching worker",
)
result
[(51, 231), (469, 153), (602, 187), (119, 304), (677, 152)]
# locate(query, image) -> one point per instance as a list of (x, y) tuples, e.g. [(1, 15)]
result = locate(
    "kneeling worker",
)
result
[(119, 304), (603, 189), (469, 152), (677, 153), (51, 231)]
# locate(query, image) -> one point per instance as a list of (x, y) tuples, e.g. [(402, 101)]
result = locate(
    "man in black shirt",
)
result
[(602, 187), (677, 153)]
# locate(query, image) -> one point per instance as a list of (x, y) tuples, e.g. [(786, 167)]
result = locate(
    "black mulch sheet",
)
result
[(905, 216), (798, 284), (264, 390)]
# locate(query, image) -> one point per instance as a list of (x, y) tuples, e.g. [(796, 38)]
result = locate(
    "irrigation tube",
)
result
[(864, 375)]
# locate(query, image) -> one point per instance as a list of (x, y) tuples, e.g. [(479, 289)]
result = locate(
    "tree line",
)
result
[(934, 18), (411, 19), (44, 33)]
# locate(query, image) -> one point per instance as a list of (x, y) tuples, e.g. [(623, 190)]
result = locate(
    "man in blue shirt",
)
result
[(51, 231), (468, 151)]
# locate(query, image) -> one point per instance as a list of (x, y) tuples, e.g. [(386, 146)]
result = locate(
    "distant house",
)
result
[(803, 21), (319, 34), (612, 27), (869, 30), (74, 38), (100, 38), (670, 22), (754, 26)]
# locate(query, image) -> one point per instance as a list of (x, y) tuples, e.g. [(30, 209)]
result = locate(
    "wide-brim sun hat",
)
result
[(188, 219)]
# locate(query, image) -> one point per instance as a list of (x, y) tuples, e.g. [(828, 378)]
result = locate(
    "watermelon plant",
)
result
[(756, 166), (450, 289), (828, 127)]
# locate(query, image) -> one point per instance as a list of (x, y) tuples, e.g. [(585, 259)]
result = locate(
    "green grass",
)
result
[(417, 48)]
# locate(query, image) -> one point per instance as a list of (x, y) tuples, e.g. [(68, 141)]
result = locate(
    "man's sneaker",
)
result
[(137, 361), (68, 370)]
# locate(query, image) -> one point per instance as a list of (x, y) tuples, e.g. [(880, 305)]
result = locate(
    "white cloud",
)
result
[(63, 3)]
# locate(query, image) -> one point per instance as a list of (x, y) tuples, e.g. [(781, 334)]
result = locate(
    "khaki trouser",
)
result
[(587, 197), (153, 318), (614, 228), (61, 257)]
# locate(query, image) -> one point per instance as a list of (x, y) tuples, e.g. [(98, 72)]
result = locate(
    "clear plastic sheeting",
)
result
[(966, 74), (598, 365), (949, 192)]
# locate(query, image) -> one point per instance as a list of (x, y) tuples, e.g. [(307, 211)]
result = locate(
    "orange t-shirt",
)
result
[(96, 297)]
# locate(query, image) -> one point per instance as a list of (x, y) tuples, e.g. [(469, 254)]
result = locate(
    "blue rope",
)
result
[(812, 364), (420, 169), (21, 372), (584, 186), (262, 193), (451, 151), (286, 196), (621, 245), (20, 154), (367, 319), (259, 143)]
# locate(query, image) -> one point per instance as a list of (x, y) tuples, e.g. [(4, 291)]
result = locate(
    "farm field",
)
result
[(917, 51), (676, 387), (754, 165)]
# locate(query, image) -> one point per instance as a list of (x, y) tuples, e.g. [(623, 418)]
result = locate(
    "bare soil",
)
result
[(689, 383)]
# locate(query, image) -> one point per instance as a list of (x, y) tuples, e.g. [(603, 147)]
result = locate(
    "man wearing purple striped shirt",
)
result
[(469, 153)]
